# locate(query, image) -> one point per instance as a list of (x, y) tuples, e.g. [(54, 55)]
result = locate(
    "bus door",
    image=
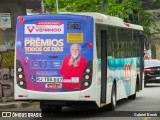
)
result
[(103, 66), (141, 37)]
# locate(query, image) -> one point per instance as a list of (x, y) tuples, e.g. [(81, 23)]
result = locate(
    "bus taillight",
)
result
[(21, 83), (87, 77), (20, 76), (86, 84), (19, 70), (88, 70), (21, 80)]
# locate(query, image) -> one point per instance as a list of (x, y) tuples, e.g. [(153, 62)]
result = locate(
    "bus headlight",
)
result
[(19, 70)]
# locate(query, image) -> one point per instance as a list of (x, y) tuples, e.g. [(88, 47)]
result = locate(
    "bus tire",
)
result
[(145, 84), (49, 111), (112, 105), (46, 112), (132, 97), (56, 108)]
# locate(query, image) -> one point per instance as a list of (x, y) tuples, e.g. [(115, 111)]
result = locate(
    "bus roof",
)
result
[(106, 19)]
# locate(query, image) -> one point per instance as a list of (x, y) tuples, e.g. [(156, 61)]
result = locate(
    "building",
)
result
[(154, 41), (9, 11)]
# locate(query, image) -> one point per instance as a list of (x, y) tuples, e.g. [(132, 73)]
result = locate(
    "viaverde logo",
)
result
[(6, 114), (30, 28)]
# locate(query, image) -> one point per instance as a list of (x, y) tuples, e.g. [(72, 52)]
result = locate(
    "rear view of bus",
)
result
[(54, 55)]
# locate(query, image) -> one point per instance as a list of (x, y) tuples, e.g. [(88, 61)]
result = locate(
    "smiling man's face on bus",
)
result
[(75, 50)]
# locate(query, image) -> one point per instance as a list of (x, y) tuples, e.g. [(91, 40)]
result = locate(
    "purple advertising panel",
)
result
[(54, 53)]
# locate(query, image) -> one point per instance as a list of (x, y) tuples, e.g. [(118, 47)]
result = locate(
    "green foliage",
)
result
[(132, 12), (74, 5), (156, 2), (129, 10)]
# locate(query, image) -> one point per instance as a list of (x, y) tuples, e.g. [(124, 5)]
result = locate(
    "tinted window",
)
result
[(98, 40), (112, 42), (124, 38)]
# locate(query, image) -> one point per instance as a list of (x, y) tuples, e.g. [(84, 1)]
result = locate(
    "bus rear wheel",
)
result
[(56, 108), (48, 109), (113, 103), (45, 111), (53, 108)]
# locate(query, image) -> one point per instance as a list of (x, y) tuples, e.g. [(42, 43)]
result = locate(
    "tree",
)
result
[(132, 11), (75, 5), (129, 10), (155, 2)]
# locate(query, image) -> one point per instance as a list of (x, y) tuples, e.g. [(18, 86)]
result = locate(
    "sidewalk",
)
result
[(17, 104)]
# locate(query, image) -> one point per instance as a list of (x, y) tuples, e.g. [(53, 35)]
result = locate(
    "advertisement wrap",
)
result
[(54, 54)]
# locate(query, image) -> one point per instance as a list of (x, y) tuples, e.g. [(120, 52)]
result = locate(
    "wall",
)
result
[(7, 41), (12, 7)]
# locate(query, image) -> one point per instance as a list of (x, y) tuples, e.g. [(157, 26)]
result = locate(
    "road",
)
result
[(147, 101)]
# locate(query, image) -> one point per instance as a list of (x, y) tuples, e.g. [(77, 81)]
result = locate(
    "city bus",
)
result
[(77, 59)]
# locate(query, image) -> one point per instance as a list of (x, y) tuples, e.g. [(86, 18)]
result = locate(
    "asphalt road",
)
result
[(147, 103)]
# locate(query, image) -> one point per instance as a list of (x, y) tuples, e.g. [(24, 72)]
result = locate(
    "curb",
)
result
[(9, 105)]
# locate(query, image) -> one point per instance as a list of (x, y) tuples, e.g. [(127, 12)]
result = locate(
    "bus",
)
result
[(77, 59)]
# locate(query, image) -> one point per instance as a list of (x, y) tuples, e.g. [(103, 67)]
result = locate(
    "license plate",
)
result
[(49, 79)]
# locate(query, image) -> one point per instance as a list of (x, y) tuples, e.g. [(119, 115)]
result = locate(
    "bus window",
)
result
[(98, 41), (136, 39), (124, 38), (112, 42)]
